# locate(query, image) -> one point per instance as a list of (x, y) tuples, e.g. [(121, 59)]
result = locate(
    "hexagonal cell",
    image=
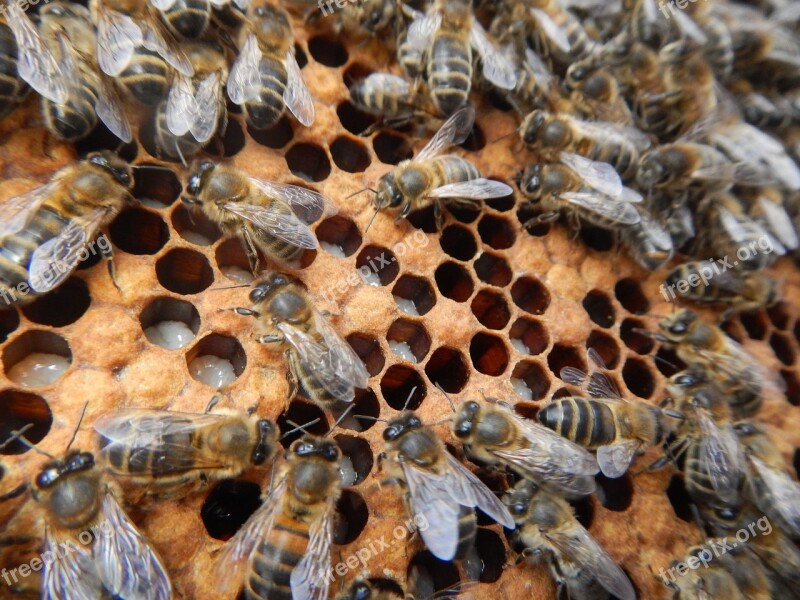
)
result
[(359, 453), (458, 242), (680, 500), (605, 346), (530, 380), (599, 308), (368, 350), (397, 385), (275, 137), (349, 155), (464, 213), (61, 307), (413, 295), (491, 309), (184, 271), (355, 72), (424, 219), (352, 513), (527, 215), (9, 321), (448, 368), (492, 269), (528, 336), (496, 232), (630, 295), (377, 265), (309, 162), (614, 494), (408, 340), (36, 358), (194, 227), (667, 362), (597, 238), (437, 575), (638, 342), (792, 385), (170, 323), (338, 236), (139, 231), (503, 204), (301, 413), (565, 356), (216, 360), (353, 119), (17, 410), (229, 143), (327, 51), (755, 323), (530, 295), (228, 506), (779, 314), (475, 140), (101, 138), (233, 262), (454, 281), (492, 553), (638, 377), (782, 348), (365, 404), (488, 353), (391, 149)]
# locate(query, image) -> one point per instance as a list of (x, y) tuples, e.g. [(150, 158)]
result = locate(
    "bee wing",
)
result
[(601, 176), (109, 109), (234, 555), (163, 5), (157, 38), (394, 85), (738, 230), (454, 131), (182, 107), (284, 226), (209, 101), (496, 67), (296, 95), (720, 451), (35, 63), (127, 565), (551, 29), (784, 491), (539, 69), (619, 212), (309, 579), (476, 188), (581, 548), (484, 498), (18, 210), (68, 575), (615, 459), (343, 357), (779, 222), (603, 131), (422, 28), (55, 260), (244, 80), (307, 204), (117, 38), (690, 29)]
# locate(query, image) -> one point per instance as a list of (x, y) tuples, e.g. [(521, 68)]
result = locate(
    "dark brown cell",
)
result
[(309, 162), (61, 307), (349, 155), (411, 336), (301, 412), (379, 264), (488, 353), (630, 295), (327, 51), (491, 309), (17, 410), (194, 227), (397, 385), (156, 185), (492, 269), (184, 271), (605, 346), (496, 232), (458, 242), (454, 281), (415, 290), (352, 513), (275, 137), (599, 308), (359, 453), (391, 149), (638, 377), (638, 342), (448, 368), (340, 233), (565, 356), (530, 295), (139, 231), (355, 120), (534, 377), (228, 506), (368, 350), (529, 336)]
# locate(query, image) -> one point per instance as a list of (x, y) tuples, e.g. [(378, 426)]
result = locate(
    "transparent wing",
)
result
[(343, 357), (421, 30), (619, 212), (109, 109), (496, 67), (598, 385), (581, 548), (244, 80), (779, 222), (616, 132), (296, 95), (156, 37), (69, 575), (163, 5), (309, 579), (551, 29), (54, 261), (476, 188), (182, 108), (454, 131), (18, 210), (282, 225), (485, 499), (209, 101), (117, 38), (127, 564), (721, 453), (35, 63), (615, 459), (235, 554), (393, 84), (783, 491), (307, 204), (689, 28), (733, 226), (539, 69), (601, 176)]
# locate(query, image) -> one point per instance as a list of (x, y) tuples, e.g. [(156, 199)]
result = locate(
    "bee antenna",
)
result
[(502, 137), (299, 427), (368, 418), (77, 426), (340, 419), (15, 434), (361, 191), (229, 287), (153, 167), (664, 361), (375, 214), (446, 395), (24, 441), (674, 414), (410, 395)]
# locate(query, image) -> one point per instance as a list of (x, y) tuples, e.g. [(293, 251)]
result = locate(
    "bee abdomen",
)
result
[(189, 17), (581, 420), (273, 562), (453, 169), (146, 77), (76, 118), (312, 387), (273, 247), (450, 73), (467, 526), (268, 108), (16, 249), (170, 144), (11, 86)]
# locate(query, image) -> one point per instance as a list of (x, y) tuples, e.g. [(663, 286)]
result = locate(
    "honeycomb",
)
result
[(497, 310)]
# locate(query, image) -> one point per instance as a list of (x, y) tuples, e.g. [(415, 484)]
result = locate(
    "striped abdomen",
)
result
[(450, 72), (12, 88), (584, 421), (452, 169), (308, 380), (467, 526), (271, 246), (622, 155), (189, 17), (376, 99), (409, 57), (695, 475), (269, 106), (146, 77), (16, 249), (274, 560), (174, 146), (76, 117)]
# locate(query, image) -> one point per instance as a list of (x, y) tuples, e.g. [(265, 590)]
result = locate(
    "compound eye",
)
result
[(303, 449), (46, 478), (391, 433)]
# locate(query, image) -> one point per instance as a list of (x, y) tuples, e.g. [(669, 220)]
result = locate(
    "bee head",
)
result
[(577, 72), (533, 126), (198, 175), (465, 419), (678, 325), (407, 421), (268, 286), (360, 590), (689, 378), (73, 462), (518, 500), (118, 168), (388, 193), (309, 445), (746, 428), (530, 183), (267, 437)]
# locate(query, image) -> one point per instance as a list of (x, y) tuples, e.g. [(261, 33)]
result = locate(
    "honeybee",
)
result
[(557, 133), (582, 189), (266, 79), (13, 88), (391, 97), (689, 79), (264, 212), (47, 231), (369, 16), (713, 581), (536, 86), (595, 92), (648, 241), (617, 429), (446, 35), (762, 45), (440, 491), (494, 434), (558, 33), (696, 380), (428, 176), (173, 453), (319, 359), (68, 33), (284, 549), (195, 109), (547, 526), (768, 484), (190, 18)]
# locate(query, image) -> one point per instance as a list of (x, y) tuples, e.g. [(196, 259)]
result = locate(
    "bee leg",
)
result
[(250, 250), (269, 339), (437, 214), (291, 377), (108, 254)]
